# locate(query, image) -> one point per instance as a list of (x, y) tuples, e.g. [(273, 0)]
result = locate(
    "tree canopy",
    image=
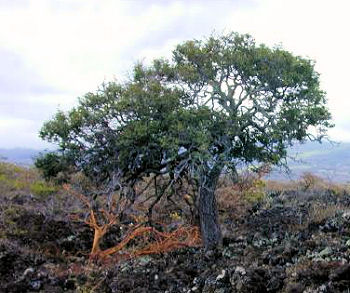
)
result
[(218, 102)]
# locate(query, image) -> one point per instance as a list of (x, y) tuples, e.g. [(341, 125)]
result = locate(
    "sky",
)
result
[(53, 51)]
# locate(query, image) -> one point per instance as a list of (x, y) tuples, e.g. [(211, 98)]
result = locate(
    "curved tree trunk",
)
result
[(208, 212)]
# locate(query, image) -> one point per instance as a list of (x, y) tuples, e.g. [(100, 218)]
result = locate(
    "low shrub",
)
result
[(42, 189), (256, 192), (310, 181)]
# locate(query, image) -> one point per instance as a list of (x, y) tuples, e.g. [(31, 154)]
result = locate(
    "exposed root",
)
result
[(108, 219), (152, 241), (99, 230), (155, 241)]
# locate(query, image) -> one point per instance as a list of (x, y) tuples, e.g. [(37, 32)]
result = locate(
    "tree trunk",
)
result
[(208, 211)]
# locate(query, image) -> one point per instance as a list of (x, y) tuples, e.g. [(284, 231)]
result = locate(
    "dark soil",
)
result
[(290, 242)]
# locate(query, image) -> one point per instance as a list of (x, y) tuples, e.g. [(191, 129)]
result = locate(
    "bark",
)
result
[(208, 211), (98, 234)]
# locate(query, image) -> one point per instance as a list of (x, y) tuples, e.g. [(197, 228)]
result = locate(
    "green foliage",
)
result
[(219, 102), (8, 182), (13, 178), (268, 97), (11, 170), (53, 166), (16, 180), (9, 215), (256, 192), (42, 189)]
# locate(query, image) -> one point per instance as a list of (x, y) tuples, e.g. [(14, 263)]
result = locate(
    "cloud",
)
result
[(315, 29), (76, 46), (18, 78), (19, 133), (26, 100), (54, 51)]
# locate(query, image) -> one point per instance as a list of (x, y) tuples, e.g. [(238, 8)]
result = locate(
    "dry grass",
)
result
[(16, 180), (174, 212), (319, 212), (280, 186), (231, 203), (308, 182), (235, 198)]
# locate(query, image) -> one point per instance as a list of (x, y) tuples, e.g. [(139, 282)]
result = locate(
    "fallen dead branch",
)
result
[(153, 241)]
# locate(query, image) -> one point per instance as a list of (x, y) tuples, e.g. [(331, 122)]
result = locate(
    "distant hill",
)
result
[(19, 156), (331, 161)]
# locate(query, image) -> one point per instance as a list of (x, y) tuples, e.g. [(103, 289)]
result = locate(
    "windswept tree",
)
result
[(218, 102)]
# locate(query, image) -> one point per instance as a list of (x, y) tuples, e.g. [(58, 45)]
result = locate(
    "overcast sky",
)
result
[(53, 51)]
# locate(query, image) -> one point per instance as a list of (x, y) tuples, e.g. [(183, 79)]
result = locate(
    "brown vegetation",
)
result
[(275, 234)]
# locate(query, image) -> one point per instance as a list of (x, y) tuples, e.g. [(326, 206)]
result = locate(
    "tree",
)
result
[(220, 101), (53, 166)]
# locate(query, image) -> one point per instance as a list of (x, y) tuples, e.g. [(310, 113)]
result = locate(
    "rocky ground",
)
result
[(294, 240)]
